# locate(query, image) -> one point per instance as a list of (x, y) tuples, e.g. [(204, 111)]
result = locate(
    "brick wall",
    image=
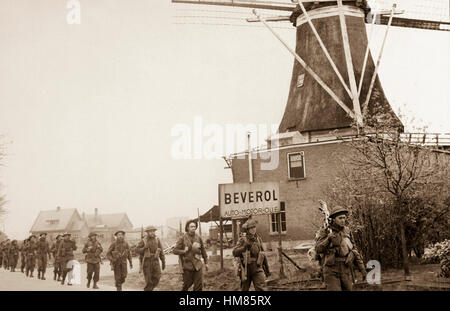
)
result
[(322, 162)]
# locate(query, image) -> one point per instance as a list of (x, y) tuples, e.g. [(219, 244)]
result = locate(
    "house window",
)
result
[(296, 165), (52, 221), (274, 220)]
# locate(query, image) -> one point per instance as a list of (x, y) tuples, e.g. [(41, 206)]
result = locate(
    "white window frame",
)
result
[(289, 165), (271, 232)]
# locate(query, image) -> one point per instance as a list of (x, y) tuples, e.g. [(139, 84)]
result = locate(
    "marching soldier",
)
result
[(190, 248), (2, 244), (337, 247), (118, 253), (57, 268), (250, 251), (23, 255), (93, 251), (5, 254), (151, 251), (30, 253), (43, 250), (13, 255), (65, 254)]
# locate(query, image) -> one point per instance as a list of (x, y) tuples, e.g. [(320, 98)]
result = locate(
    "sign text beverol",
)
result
[(244, 199)]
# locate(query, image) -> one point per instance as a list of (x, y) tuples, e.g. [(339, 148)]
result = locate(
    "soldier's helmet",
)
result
[(338, 210), (251, 223), (66, 233), (42, 234), (31, 236), (92, 234), (58, 236), (119, 231), (186, 227), (150, 228)]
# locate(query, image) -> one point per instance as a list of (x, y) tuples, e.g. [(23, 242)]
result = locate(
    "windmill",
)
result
[(334, 80)]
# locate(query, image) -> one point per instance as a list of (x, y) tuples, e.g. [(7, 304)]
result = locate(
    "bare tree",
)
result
[(405, 181)]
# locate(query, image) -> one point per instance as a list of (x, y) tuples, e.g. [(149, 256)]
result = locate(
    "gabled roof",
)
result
[(108, 220), (54, 220)]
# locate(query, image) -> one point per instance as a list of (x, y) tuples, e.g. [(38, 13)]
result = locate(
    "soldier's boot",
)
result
[(39, 274), (119, 288), (54, 276), (88, 283), (31, 275), (42, 276), (95, 285)]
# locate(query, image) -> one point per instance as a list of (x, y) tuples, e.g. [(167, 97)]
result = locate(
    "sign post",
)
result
[(242, 200)]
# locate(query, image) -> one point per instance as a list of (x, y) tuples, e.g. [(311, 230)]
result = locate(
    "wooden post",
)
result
[(280, 247), (199, 223), (221, 232)]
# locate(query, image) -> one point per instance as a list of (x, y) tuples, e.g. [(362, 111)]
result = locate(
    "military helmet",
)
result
[(43, 234), (92, 234), (251, 223), (31, 236), (186, 227), (58, 236), (150, 228), (119, 231), (338, 210), (66, 233)]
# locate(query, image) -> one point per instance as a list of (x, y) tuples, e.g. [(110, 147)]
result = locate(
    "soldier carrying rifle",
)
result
[(336, 247), (93, 250), (150, 249), (254, 266), (118, 253)]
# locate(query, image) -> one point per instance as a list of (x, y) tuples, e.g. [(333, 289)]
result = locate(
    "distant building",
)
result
[(105, 225), (58, 221)]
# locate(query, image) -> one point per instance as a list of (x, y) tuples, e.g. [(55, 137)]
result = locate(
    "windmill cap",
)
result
[(338, 210), (150, 228)]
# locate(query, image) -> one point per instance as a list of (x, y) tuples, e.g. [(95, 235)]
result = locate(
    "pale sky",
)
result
[(86, 111)]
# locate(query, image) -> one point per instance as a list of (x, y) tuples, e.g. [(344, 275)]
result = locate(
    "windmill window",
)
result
[(296, 165), (274, 220), (300, 80)]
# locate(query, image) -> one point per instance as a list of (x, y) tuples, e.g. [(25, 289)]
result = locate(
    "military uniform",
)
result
[(43, 250), (118, 253), (13, 255), (251, 247), (23, 255), (93, 258), (336, 247), (1, 253), (57, 267), (151, 252), (30, 253), (191, 260), (65, 254), (5, 254)]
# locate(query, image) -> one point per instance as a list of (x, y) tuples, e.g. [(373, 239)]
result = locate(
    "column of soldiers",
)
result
[(334, 245)]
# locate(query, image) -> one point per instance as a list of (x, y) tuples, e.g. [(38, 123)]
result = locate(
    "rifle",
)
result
[(244, 265), (141, 258)]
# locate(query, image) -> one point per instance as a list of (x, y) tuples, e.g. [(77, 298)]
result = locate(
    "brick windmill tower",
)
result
[(334, 88)]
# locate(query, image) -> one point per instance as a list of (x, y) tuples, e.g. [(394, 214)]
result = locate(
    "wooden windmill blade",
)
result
[(416, 23)]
